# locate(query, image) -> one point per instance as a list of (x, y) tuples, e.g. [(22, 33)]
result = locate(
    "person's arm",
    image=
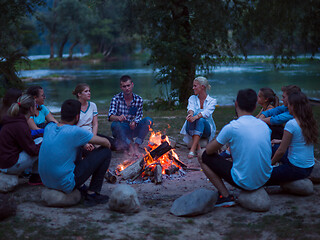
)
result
[(213, 147), (139, 113), (280, 118), (266, 120), (100, 141), (286, 140), (32, 125), (50, 118), (95, 125), (209, 107), (113, 118)]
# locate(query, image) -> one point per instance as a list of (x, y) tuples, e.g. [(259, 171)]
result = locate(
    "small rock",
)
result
[(124, 199), (8, 182), (195, 203), (303, 187), (55, 198), (258, 200), (8, 206), (315, 174)]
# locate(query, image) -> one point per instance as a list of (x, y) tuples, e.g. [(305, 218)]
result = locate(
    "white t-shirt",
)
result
[(86, 117), (250, 145), (299, 154)]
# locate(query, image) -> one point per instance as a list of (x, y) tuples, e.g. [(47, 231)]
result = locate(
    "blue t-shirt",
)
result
[(278, 115), (250, 145), (57, 155), (300, 154), (41, 118)]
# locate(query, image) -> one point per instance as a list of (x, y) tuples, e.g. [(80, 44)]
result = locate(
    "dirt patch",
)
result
[(291, 217)]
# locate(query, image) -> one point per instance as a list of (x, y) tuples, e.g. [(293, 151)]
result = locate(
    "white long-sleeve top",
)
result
[(209, 106)]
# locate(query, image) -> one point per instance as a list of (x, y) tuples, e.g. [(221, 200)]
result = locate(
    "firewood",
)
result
[(171, 170), (110, 177), (160, 150), (158, 174), (180, 163), (132, 170)]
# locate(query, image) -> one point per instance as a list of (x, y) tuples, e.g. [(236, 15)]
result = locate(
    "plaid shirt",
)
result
[(133, 112)]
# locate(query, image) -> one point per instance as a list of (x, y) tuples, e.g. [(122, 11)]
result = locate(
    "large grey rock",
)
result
[(55, 198), (303, 187), (315, 174), (124, 199), (258, 200), (195, 203), (8, 182)]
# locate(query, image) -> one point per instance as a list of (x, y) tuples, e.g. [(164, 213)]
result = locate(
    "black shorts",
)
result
[(220, 166)]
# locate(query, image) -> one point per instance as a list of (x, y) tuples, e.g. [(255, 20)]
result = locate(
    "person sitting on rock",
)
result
[(250, 146), (126, 114), (18, 151), (42, 115), (199, 122), (300, 135), (61, 166)]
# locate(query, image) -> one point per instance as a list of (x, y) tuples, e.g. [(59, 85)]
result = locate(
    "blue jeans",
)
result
[(94, 165), (199, 127), (124, 135)]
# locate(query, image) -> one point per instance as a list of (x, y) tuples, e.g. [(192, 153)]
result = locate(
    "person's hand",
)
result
[(89, 147), (133, 125), (189, 116), (275, 141), (122, 118)]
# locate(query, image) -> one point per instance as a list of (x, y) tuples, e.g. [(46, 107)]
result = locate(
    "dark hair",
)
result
[(22, 106), (11, 96), (303, 111), (247, 99), (34, 91), (79, 88), (290, 89), (271, 97), (125, 78), (70, 109)]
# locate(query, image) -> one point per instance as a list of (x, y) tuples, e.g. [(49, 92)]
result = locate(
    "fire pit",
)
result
[(159, 160)]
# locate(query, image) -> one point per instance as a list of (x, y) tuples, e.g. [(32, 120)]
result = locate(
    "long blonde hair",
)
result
[(22, 106)]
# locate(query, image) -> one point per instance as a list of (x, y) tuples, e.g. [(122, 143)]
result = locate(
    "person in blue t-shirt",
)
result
[(43, 115), (251, 166), (280, 114), (300, 134), (61, 166)]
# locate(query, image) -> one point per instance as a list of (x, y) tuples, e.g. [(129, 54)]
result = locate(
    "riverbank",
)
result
[(290, 217)]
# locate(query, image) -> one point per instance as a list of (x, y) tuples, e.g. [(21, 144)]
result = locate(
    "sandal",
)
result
[(192, 154)]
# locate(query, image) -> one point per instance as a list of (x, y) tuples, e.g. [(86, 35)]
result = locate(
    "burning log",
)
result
[(110, 177), (160, 150), (171, 170), (132, 170), (158, 174), (180, 163)]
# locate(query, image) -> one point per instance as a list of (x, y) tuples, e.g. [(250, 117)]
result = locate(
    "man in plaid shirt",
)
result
[(126, 113)]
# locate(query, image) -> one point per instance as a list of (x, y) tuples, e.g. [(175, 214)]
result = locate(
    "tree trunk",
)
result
[(64, 41), (71, 49), (51, 46)]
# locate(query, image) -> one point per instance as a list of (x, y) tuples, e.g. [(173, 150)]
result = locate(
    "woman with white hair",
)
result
[(199, 122)]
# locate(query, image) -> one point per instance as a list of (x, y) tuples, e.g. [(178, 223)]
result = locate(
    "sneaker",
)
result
[(35, 179), (94, 199), (225, 201), (83, 190)]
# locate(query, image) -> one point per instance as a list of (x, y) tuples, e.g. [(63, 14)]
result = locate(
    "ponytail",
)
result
[(22, 106)]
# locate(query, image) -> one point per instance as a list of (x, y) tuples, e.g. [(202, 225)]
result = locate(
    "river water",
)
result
[(225, 81)]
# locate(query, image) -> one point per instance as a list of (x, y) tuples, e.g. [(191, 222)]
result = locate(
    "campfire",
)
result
[(160, 159)]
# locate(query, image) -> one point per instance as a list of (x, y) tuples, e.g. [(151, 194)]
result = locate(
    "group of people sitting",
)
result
[(64, 155), (275, 147)]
